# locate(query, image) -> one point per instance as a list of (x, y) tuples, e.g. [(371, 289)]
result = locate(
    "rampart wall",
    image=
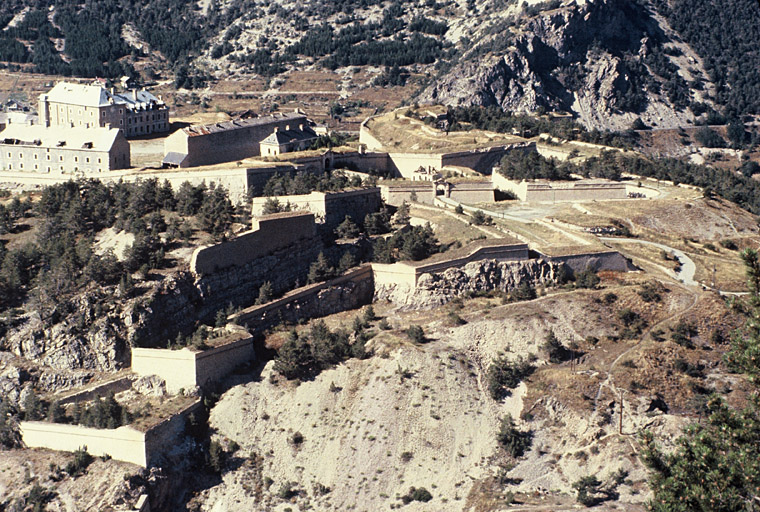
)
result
[(596, 261), (330, 207), (124, 443), (484, 159), (542, 190), (471, 192), (102, 389), (270, 233), (397, 194), (349, 291), (409, 274)]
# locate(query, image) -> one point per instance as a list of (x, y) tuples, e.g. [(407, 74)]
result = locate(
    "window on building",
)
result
[(20, 166), (21, 155), (76, 158), (121, 111), (87, 159), (35, 156), (48, 157), (99, 160), (60, 158), (121, 122), (103, 114), (36, 167)]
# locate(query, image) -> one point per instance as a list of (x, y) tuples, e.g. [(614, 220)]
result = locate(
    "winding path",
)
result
[(688, 267)]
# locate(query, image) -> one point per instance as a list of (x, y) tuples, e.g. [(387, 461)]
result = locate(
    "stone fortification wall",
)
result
[(216, 281), (608, 260), (363, 162), (407, 274), (270, 233), (124, 443), (330, 208), (483, 160), (398, 193), (176, 367), (472, 192), (542, 190), (579, 191), (233, 179), (519, 188), (101, 389), (349, 291), (366, 137), (407, 165), (161, 439), (389, 274), (434, 290), (214, 364)]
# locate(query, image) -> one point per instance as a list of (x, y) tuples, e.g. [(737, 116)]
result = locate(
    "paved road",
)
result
[(688, 268)]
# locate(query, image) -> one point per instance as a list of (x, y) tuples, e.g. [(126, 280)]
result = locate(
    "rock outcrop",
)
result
[(434, 290), (590, 59)]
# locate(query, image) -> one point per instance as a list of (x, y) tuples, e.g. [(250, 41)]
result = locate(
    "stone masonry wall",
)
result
[(349, 291), (270, 233)]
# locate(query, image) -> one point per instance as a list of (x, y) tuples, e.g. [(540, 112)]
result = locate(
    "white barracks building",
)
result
[(57, 150), (134, 112)]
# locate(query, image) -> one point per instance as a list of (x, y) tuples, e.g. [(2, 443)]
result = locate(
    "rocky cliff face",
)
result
[(434, 290), (602, 60)]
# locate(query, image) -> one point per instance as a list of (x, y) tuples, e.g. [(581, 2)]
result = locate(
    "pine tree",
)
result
[(716, 465)]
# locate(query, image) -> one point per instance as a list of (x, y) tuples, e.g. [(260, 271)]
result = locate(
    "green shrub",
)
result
[(587, 488), (556, 350), (82, 459), (417, 494), (514, 441), (504, 375), (416, 334)]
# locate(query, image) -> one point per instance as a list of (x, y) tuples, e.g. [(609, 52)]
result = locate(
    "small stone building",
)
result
[(134, 112), (287, 141), (38, 149)]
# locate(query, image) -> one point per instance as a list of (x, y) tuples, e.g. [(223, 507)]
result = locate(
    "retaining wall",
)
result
[(349, 291), (402, 273), (113, 386), (596, 261), (395, 195), (270, 233), (542, 190), (124, 443), (472, 192), (330, 207), (186, 368)]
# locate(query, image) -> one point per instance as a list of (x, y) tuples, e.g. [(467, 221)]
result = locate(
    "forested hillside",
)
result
[(725, 34), (640, 64)]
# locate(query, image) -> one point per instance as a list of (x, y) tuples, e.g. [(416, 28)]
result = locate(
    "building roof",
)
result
[(174, 158), (289, 136), (92, 139), (97, 96), (238, 124)]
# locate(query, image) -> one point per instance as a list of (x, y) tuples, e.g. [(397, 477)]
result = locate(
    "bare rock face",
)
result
[(434, 290), (586, 59)]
